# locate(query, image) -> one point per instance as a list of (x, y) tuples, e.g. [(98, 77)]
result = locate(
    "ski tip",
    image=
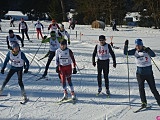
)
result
[(24, 102), (3, 95)]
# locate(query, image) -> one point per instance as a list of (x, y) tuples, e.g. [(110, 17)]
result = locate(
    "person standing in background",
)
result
[(23, 28), (38, 27), (54, 26)]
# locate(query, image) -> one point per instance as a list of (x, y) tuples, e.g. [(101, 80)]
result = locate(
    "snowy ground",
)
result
[(44, 94)]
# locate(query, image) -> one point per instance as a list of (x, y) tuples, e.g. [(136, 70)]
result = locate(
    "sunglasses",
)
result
[(101, 40), (53, 35)]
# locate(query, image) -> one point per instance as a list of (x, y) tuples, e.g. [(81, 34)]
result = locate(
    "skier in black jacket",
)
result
[(24, 29), (12, 38), (102, 51)]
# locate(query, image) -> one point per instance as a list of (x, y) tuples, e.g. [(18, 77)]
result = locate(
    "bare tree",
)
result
[(63, 10)]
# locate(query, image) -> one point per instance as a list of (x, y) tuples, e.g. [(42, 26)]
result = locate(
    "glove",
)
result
[(68, 42), (74, 71), (114, 64), (44, 37), (26, 70), (9, 47), (94, 64), (2, 71), (57, 69), (111, 44), (22, 45), (126, 42), (146, 49)]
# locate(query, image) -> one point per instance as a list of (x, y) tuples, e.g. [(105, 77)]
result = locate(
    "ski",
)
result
[(142, 109), (101, 93), (3, 95), (108, 95), (69, 100), (30, 41), (24, 101), (42, 78), (98, 94)]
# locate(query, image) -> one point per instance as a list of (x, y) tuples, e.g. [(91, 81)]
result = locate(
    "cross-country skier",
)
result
[(24, 29), (114, 25), (64, 60), (12, 22), (63, 33), (38, 27), (72, 23), (12, 38), (102, 51), (54, 26), (17, 59), (144, 69), (54, 45)]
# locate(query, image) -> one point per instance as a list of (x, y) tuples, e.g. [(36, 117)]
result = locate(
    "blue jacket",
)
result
[(141, 70), (16, 68)]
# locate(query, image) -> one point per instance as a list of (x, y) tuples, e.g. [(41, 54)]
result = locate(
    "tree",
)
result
[(55, 12), (153, 10), (63, 10), (3, 8), (95, 10)]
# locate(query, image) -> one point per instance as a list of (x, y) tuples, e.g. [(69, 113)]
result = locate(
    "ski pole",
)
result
[(111, 38), (154, 63), (44, 56), (152, 60), (35, 54), (78, 69), (128, 81)]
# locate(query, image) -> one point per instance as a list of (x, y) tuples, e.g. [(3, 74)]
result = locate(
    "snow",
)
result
[(44, 94)]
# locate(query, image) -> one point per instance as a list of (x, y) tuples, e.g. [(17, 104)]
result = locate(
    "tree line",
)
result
[(87, 10)]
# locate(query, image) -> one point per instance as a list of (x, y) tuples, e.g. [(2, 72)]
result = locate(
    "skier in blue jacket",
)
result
[(17, 58), (144, 69)]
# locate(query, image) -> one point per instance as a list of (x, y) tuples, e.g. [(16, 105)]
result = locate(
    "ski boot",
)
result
[(44, 75), (24, 98), (99, 89), (73, 96), (107, 91), (143, 105), (65, 96)]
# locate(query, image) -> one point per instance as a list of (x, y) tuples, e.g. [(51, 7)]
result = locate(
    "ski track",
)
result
[(44, 94)]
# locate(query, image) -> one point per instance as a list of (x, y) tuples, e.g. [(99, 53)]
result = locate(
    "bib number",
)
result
[(64, 60), (143, 59), (16, 64)]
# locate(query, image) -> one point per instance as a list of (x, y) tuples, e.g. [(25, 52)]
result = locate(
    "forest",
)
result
[(87, 11)]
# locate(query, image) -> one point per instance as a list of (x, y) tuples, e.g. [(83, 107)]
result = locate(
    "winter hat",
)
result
[(102, 37), (62, 26), (138, 42), (10, 31), (15, 45), (63, 42)]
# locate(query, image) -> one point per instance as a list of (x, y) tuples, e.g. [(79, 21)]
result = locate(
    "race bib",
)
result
[(64, 60), (143, 59), (16, 63)]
